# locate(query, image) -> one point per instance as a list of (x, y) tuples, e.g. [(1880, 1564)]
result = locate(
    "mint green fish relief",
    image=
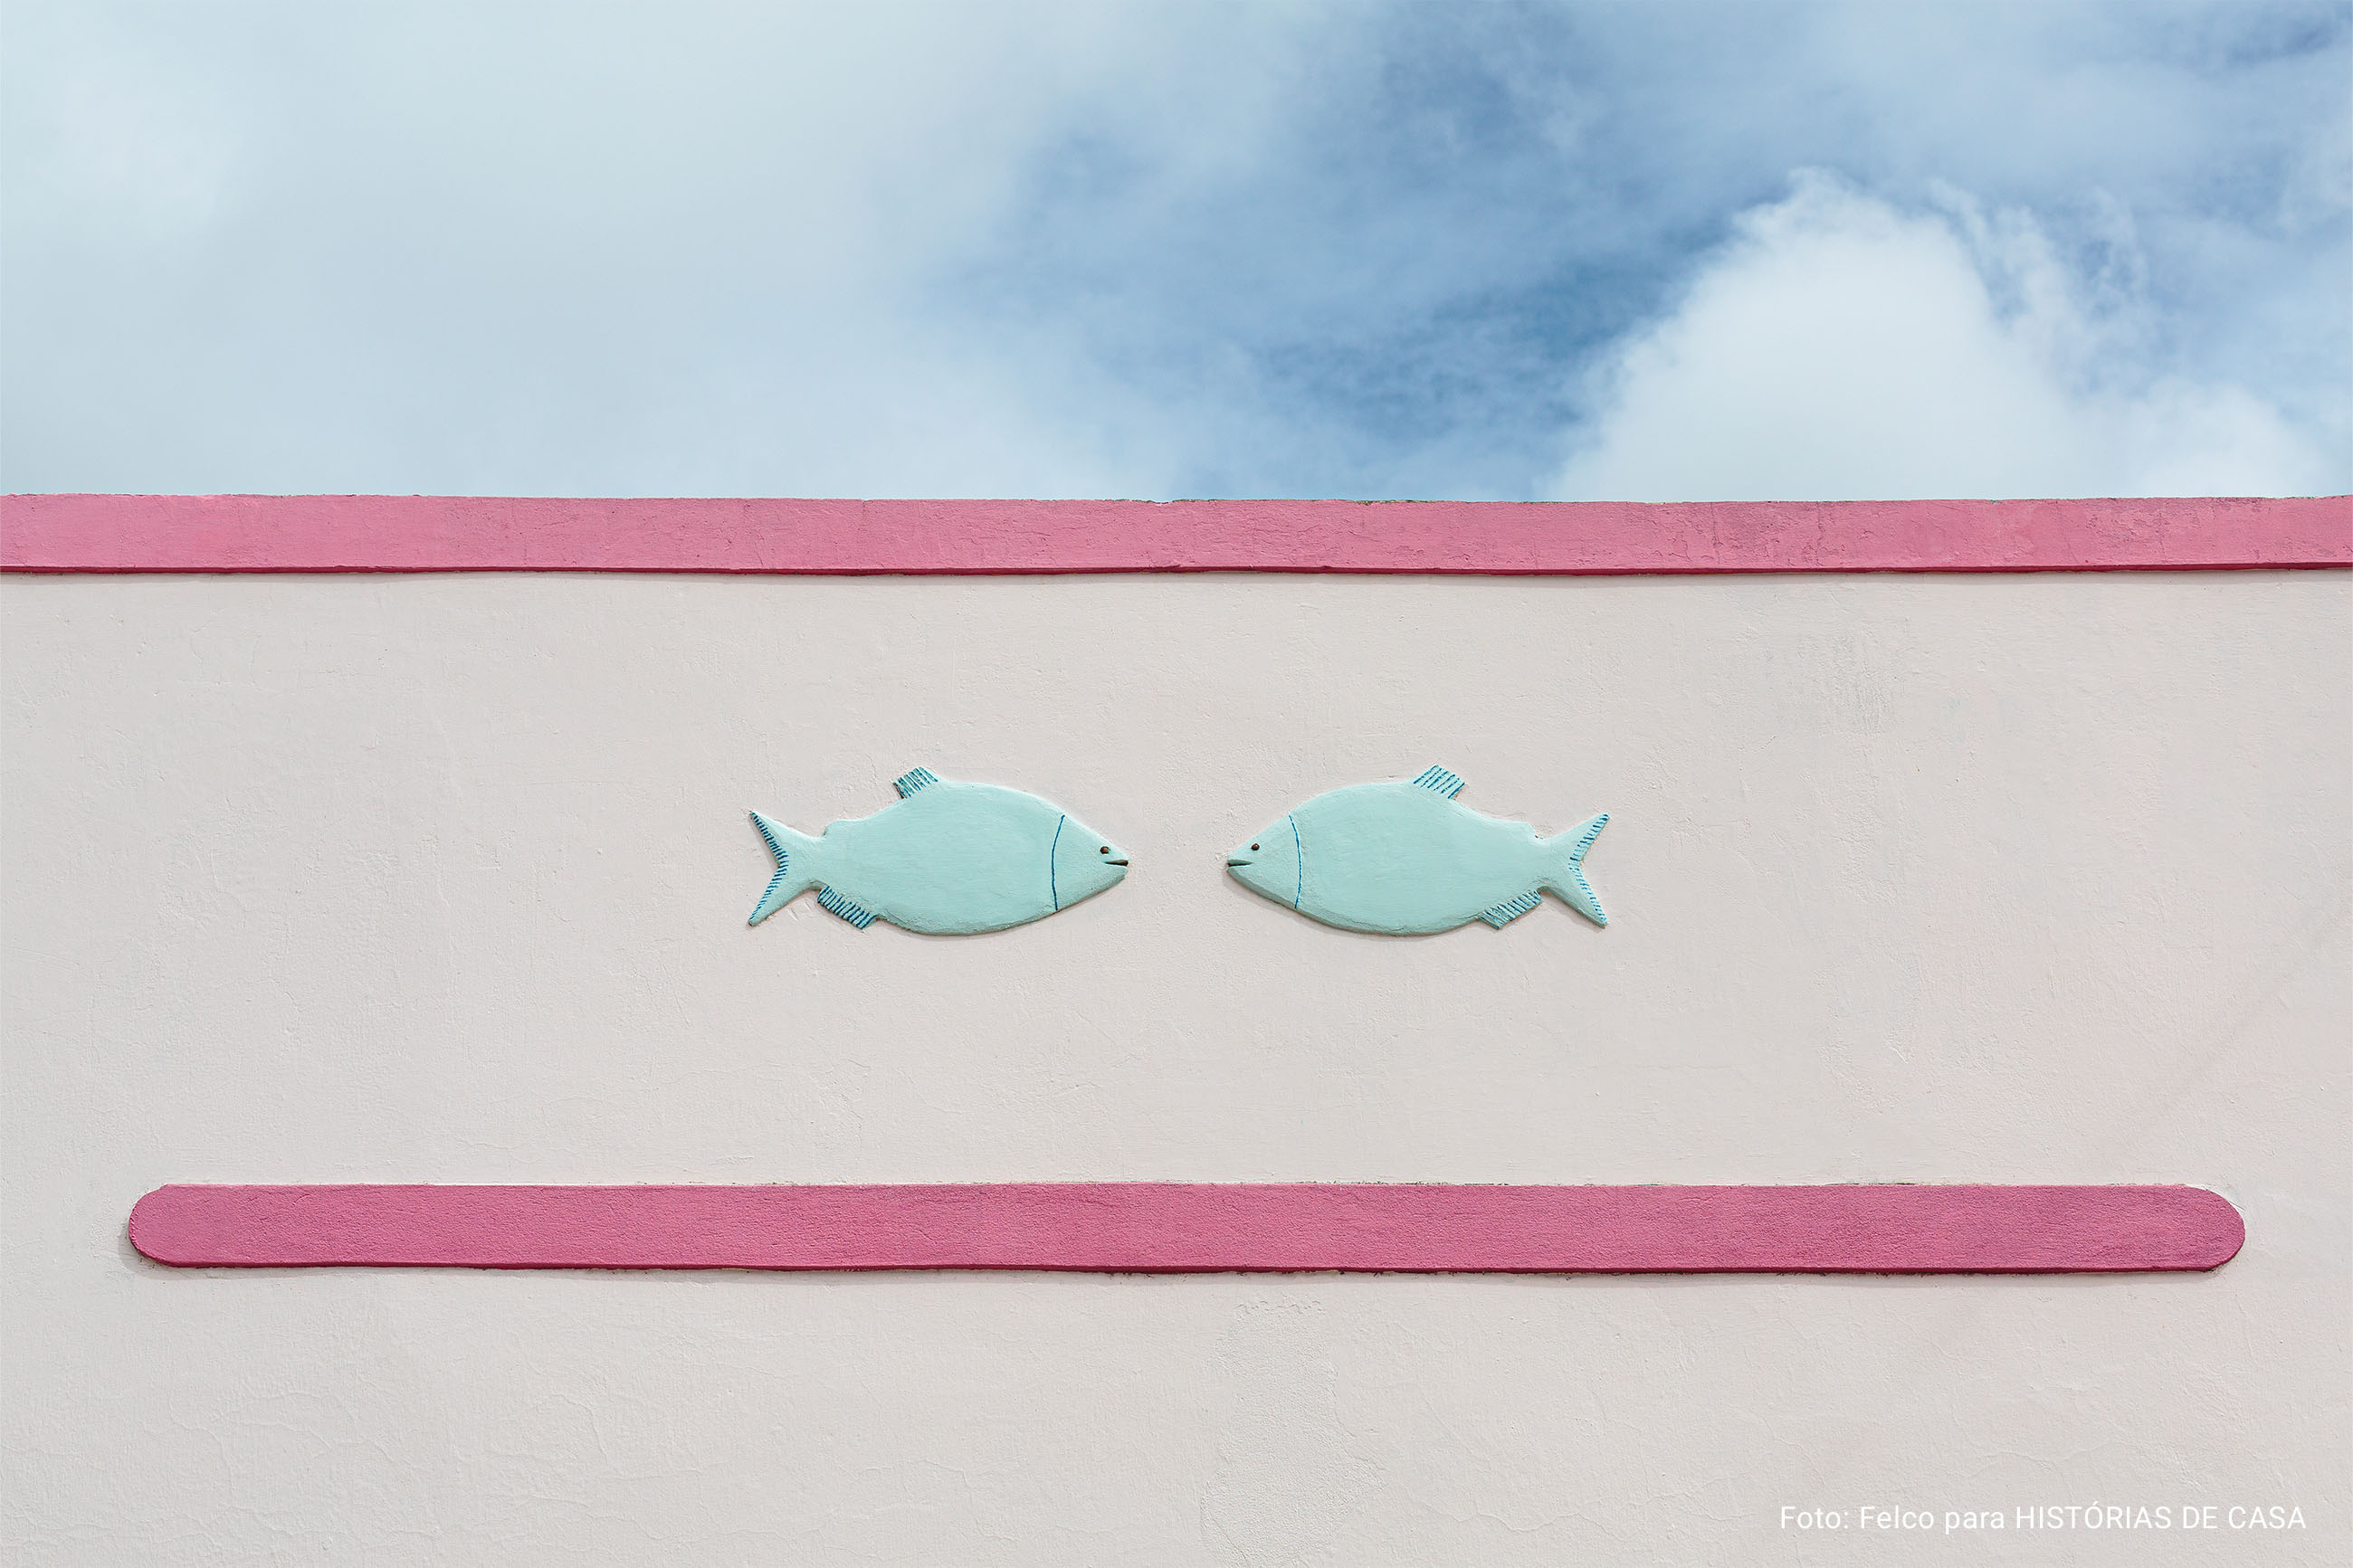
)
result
[(945, 858), (1404, 859)]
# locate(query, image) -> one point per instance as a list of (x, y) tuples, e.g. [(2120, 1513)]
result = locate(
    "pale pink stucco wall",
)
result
[(1937, 878)]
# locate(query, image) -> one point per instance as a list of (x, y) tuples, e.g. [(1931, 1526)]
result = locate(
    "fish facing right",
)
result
[(1405, 858), (945, 858)]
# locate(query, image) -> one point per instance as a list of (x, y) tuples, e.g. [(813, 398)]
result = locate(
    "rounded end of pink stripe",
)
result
[(2221, 1229), (154, 1224)]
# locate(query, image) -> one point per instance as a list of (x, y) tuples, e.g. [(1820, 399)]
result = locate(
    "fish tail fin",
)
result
[(795, 865), (1568, 875)]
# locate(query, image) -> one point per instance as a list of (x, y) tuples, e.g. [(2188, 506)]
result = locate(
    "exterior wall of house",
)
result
[(1933, 879)]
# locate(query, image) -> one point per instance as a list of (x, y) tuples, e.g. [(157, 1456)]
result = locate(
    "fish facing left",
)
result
[(1407, 858), (945, 858)]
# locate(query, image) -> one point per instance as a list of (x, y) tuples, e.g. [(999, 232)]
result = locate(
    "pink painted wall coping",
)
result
[(1170, 1227), (460, 533)]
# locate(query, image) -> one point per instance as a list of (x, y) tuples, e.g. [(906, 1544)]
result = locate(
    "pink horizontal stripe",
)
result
[(462, 533), (1168, 1227)]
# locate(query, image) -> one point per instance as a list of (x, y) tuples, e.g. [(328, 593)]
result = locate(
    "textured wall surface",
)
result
[(1995, 879)]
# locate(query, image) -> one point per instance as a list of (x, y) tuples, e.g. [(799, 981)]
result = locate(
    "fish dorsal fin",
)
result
[(1440, 780), (908, 783)]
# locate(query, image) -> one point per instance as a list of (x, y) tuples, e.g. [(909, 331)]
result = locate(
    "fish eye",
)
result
[(1104, 850), (1253, 846)]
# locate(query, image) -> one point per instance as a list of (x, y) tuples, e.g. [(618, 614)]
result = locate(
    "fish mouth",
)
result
[(1243, 862), (1114, 862)]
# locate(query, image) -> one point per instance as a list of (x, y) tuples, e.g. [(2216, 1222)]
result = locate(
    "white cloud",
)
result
[(673, 251), (1051, 247), (1839, 348)]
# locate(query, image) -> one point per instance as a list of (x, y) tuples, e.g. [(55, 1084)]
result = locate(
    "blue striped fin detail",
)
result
[(1592, 898), (1585, 840), (856, 914), (1504, 913), (907, 783), (1439, 779), (784, 861)]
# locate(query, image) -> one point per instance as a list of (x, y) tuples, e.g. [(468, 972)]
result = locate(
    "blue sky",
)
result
[(1654, 251)]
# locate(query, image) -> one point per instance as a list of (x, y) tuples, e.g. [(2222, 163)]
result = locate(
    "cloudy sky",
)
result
[(1649, 251)]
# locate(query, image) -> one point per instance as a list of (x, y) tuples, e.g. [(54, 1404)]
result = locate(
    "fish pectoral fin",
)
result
[(856, 914), (913, 779), (1441, 782), (1510, 910)]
